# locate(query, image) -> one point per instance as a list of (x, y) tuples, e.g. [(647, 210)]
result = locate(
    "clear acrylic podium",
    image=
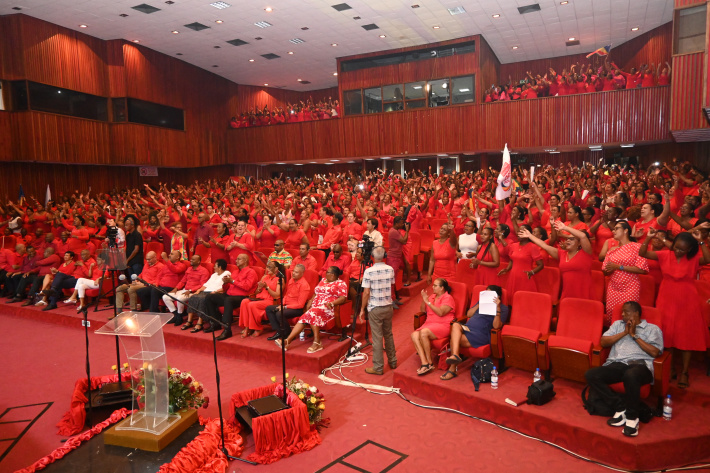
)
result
[(141, 334)]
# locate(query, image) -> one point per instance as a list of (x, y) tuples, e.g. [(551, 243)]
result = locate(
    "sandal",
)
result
[(453, 360), (70, 301), (245, 333), (315, 347), (256, 333), (449, 375), (80, 308), (278, 342), (684, 384), (186, 326), (198, 328), (424, 369)]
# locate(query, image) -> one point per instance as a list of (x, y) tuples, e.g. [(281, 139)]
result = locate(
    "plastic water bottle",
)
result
[(667, 408), (537, 376), (302, 336), (494, 378)]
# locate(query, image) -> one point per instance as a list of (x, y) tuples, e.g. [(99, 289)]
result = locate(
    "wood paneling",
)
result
[(605, 117), (489, 69), (5, 136), (250, 96), (688, 3), (687, 86), (11, 64), (651, 47)]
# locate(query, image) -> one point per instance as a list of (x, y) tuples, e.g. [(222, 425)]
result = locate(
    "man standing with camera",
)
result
[(377, 282)]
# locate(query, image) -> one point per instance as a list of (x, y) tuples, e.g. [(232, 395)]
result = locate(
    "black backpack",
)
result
[(596, 406), (481, 372)]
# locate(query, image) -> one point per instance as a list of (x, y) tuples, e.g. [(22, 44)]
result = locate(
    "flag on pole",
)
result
[(505, 177), (603, 51), (47, 196), (21, 198)]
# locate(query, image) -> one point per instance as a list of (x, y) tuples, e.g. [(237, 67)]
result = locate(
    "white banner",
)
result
[(505, 177), (148, 171)]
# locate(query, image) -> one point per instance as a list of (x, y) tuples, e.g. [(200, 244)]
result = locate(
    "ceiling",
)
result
[(536, 35)]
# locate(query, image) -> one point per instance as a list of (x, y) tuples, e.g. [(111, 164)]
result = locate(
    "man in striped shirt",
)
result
[(377, 282), (280, 255)]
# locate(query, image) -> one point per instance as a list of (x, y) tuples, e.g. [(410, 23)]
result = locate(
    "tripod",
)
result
[(357, 303)]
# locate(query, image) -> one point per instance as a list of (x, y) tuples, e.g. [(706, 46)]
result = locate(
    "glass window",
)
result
[(148, 113), (373, 100), (119, 109), (2, 98), (690, 30), (352, 99), (462, 89), (392, 97), (18, 95), (415, 90), (47, 98), (415, 104), (438, 92)]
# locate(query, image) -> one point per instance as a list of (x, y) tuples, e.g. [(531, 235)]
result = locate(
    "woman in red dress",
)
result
[(522, 256), (218, 244), (440, 308), (252, 312), (575, 260), (652, 215), (603, 229), (268, 233), (684, 327), (486, 260), (295, 236), (623, 265), (502, 231), (442, 263)]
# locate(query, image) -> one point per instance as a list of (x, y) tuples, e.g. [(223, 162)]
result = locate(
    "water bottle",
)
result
[(302, 336), (494, 378), (667, 408), (537, 376)]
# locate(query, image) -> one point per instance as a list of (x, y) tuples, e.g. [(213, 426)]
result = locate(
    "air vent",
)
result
[(342, 7), (296, 41), (270, 56), (572, 43), (145, 8), (305, 82), (197, 26), (263, 24), (456, 10), (237, 42), (220, 5), (529, 8), (357, 18), (258, 38), (123, 15), (371, 26)]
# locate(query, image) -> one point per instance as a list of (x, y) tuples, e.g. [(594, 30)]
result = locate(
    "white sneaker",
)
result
[(618, 420), (40, 303), (632, 428), (70, 301)]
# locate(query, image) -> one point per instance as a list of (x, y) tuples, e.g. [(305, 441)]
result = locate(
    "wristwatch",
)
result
[(621, 268), (635, 337)]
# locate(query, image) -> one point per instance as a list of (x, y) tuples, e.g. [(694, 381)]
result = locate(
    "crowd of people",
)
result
[(223, 244), (307, 111), (579, 79)]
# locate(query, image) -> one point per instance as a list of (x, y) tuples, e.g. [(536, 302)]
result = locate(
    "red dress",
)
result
[(440, 326), (576, 275), (485, 275), (252, 312), (294, 239), (503, 252), (683, 323), (522, 257), (603, 234), (444, 260), (623, 286)]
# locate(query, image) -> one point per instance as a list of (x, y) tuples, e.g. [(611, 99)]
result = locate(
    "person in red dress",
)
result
[(440, 308), (252, 312), (218, 243), (603, 229), (684, 327), (522, 256), (442, 263), (295, 236), (501, 232), (575, 260), (652, 215), (268, 233), (487, 259), (623, 265)]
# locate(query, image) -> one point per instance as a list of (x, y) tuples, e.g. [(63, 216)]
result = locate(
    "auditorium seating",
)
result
[(156, 246), (529, 323), (648, 290), (425, 244), (598, 286), (435, 225), (204, 253), (319, 256)]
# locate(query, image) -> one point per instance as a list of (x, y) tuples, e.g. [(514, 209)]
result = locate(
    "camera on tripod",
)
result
[(112, 235), (367, 246)]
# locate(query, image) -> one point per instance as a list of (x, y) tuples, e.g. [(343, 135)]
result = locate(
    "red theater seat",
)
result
[(529, 324)]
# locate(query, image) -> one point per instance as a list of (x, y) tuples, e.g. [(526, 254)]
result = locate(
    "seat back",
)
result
[(703, 288), (548, 282), (648, 290), (459, 292), (319, 255), (476, 292), (650, 314), (416, 240), (204, 253), (231, 268), (293, 251), (259, 272), (208, 266), (436, 223), (532, 310), (598, 285), (312, 277), (580, 318), (156, 246), (427, 239)]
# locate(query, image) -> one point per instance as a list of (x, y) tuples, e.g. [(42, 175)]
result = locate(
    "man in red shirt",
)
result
[(336, 258), (43, 268), (194, 278), (333, 235), (237, 287), (150, 274), (23, 276), (305, 258), (168, 278), (295, 297)]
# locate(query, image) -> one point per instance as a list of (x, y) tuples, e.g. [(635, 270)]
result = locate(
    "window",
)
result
[(462, 90), (47, 98), (18, 95), (438, 92), (148, 113), (392, 97), (352, 102), (415, 95), (689, 30), (373, 100), (119, 109)]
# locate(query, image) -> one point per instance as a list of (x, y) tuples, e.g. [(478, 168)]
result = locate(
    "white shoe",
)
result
[(631, 429), (40, 303), (618, 420), (70, 301)]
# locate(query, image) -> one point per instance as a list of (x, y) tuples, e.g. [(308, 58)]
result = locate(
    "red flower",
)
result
[(308, 393), (192, 388), (186, 381), (199, 390), (206, 405), (207, 399)]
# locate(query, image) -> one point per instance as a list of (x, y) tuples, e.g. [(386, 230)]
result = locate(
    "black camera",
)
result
[(367, 246), (111, 235)]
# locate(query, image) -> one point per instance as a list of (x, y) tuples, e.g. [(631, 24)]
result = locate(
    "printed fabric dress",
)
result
[(623, 286), (325, 292), (683, 323)]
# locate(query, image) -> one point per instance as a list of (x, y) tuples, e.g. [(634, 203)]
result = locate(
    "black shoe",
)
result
[(210, 329), (50, 307), (274, 337), (224, 335), (178, 322), (618, 420), (14, 299), (174, 318), (631, 429)]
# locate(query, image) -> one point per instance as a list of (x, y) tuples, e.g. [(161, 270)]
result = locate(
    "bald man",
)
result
[(150, 274)]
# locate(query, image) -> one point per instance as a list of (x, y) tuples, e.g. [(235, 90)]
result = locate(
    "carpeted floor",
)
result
[(43, 361)]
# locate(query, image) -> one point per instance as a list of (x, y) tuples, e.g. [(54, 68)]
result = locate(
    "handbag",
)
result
[(481, 372), (540, 392)]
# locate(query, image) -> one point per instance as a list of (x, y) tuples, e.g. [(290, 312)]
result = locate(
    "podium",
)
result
[(141, 334)]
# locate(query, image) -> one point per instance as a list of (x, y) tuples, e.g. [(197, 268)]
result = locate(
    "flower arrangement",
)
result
[(184, 392), (310, 396)]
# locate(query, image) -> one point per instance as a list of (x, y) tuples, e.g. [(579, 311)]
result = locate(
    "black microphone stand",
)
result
[(85, 323), (216, 367), (283, 333)]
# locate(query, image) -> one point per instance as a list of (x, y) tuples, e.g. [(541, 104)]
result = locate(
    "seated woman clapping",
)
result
[(476, 331), (440, 308), (96, 272)]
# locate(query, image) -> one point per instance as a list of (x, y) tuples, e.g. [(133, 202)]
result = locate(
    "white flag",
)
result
[(48, 196), (505, 178)]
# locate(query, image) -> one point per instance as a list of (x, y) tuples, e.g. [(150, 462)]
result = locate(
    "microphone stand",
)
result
[(85, 323), (356, 310), (283, 333), (216, 368)]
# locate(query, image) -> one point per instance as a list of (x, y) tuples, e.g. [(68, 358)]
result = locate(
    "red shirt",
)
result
[(194, 278), (243, 282), (343, 262), (151, 274), (309, 262), (297, 293), (46, 264), (171, 274)]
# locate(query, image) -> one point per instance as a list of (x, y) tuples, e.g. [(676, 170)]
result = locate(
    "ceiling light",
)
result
[(220, 5), (299, 80), (262, 24), (84, 26), (557, 152), (298, 164), (305, 28), (515, 47), (572, 39), (564, 3), (464, 90), (251, 60), (595, 147), (416, 87), (551, 150), (178, 54), (383, 36), (219, 22), (635, 28), (385, 157), (436, 27), (281, 163), (266, 85), (175, 32), (335, 160), (496, 15), (444, 85), (136, 41), (335, 73), (334, 44), (291, 53), (268, 9), (415, 6), (628, 145)]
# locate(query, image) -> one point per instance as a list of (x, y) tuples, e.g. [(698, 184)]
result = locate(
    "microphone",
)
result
[(122, 277), (135, 277)]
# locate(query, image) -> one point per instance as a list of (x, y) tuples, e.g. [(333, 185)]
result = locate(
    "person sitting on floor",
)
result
[(476, 332), (634, 344)]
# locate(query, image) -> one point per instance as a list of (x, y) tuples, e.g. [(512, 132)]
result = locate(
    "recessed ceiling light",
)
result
[(334, 44), (175, 32), (299, 80), (464, 90), (572, 39), (281, 164), (266, 85), (215, 65), (383, 36), (435, 27), (496, 15), (84, 26), (291, 53), (335, 73), (217, 47), (564, 3), (123, 15), (268, 9), (251, 60), (220, 5), (628, 145), (635, 28), (219, 22), (305, 28), (515, 47), (136, 41)]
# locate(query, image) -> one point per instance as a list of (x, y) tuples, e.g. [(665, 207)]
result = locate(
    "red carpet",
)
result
[(43, 360)]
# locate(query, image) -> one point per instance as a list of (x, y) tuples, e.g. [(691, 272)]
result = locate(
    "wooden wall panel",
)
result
[(250, 96), (6, 140), (688, 3), (489, 69), (12, 64), (651, 47), (687, 86)]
